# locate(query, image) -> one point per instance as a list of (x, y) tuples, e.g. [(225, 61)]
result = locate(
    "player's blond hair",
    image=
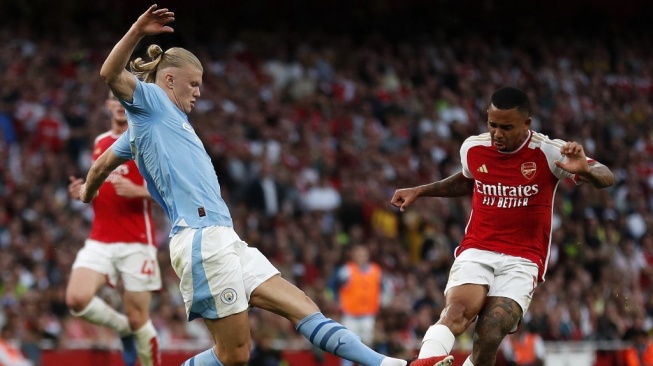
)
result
[(172, 57)]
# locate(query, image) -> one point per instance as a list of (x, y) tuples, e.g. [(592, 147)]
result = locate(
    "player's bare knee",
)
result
[(76, 301), (137, 320), (310, 304), (306, 307), (238, 356), (453, 316)]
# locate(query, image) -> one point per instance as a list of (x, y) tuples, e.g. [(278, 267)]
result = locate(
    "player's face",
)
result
[(117, 110), (186, 87), (508, 128)]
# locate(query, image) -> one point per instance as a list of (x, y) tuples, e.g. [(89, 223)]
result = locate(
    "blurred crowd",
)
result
[(334, 125)]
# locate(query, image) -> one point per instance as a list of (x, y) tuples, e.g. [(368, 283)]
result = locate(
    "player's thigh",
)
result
[(138, 267), (93, 268), (464, 301), (470, 277), (283, 298), (231, 335), (83, 284)]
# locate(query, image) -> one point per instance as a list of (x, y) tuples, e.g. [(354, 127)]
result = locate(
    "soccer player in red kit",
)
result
[(512, 174), (121, 244)]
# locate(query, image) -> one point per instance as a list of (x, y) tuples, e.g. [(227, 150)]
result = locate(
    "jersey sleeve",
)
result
[(464, 149), (143, 102), (552, 152), (122, 147)]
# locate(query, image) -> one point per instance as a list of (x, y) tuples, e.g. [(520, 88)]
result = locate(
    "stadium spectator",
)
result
[(524, 348)]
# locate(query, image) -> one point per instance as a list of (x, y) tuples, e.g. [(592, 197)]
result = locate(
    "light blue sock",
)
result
[(206, 358), (334, 338)]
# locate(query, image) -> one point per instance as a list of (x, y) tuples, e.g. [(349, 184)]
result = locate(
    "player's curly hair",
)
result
[(173, 57)]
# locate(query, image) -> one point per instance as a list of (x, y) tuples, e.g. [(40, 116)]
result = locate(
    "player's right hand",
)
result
[(74, 187), (404, 197), (155, 21)]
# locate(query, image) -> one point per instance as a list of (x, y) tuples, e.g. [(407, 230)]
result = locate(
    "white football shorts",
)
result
[(217, 271), (505, 275), (135, 264)]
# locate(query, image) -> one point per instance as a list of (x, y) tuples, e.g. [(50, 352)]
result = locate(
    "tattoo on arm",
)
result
[(456, 185), (599, 176)]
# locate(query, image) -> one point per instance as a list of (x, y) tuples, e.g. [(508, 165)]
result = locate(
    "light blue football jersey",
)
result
[(172, 160)]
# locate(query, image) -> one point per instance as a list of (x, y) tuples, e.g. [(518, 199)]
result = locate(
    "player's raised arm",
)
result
[(113, 72)]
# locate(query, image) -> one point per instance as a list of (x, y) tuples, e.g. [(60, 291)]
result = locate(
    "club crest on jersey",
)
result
[(528, 169)]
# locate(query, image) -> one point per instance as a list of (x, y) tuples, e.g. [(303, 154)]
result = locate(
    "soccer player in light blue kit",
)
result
[(220, 275)]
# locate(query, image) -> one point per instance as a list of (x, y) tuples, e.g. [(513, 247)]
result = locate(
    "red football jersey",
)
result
[(119, 219), (512, 202)]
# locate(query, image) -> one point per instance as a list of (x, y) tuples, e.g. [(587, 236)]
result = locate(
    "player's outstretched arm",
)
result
[(98, 173), (597, 174), (113, 72), (456, 185)]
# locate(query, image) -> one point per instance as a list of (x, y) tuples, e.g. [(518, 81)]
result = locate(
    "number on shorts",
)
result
[(149, 266)]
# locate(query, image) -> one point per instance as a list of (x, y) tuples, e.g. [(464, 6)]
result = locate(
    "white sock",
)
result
[(147, 345), (98, 312), (438, 341), (468, 361), (389, 361)]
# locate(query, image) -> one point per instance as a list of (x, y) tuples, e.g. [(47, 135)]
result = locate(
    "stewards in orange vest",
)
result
[(524, 348), (359, 293), (640, 353), (11, 356)]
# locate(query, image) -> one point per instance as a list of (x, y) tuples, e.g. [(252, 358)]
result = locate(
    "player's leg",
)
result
[(91, 270), (363, 326), (469, 279), (462, 304), (507, 301), (209, 266), (281, 297), (232, 338), (137, 309), (495, 321), (140, 274)]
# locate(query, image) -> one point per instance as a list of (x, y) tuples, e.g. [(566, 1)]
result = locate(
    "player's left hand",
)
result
[(576, 162), (74, 187), (125, 187)]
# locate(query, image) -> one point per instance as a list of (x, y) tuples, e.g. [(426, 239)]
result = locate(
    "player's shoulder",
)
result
[(483, 139), (106, 136), (544, 143)]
